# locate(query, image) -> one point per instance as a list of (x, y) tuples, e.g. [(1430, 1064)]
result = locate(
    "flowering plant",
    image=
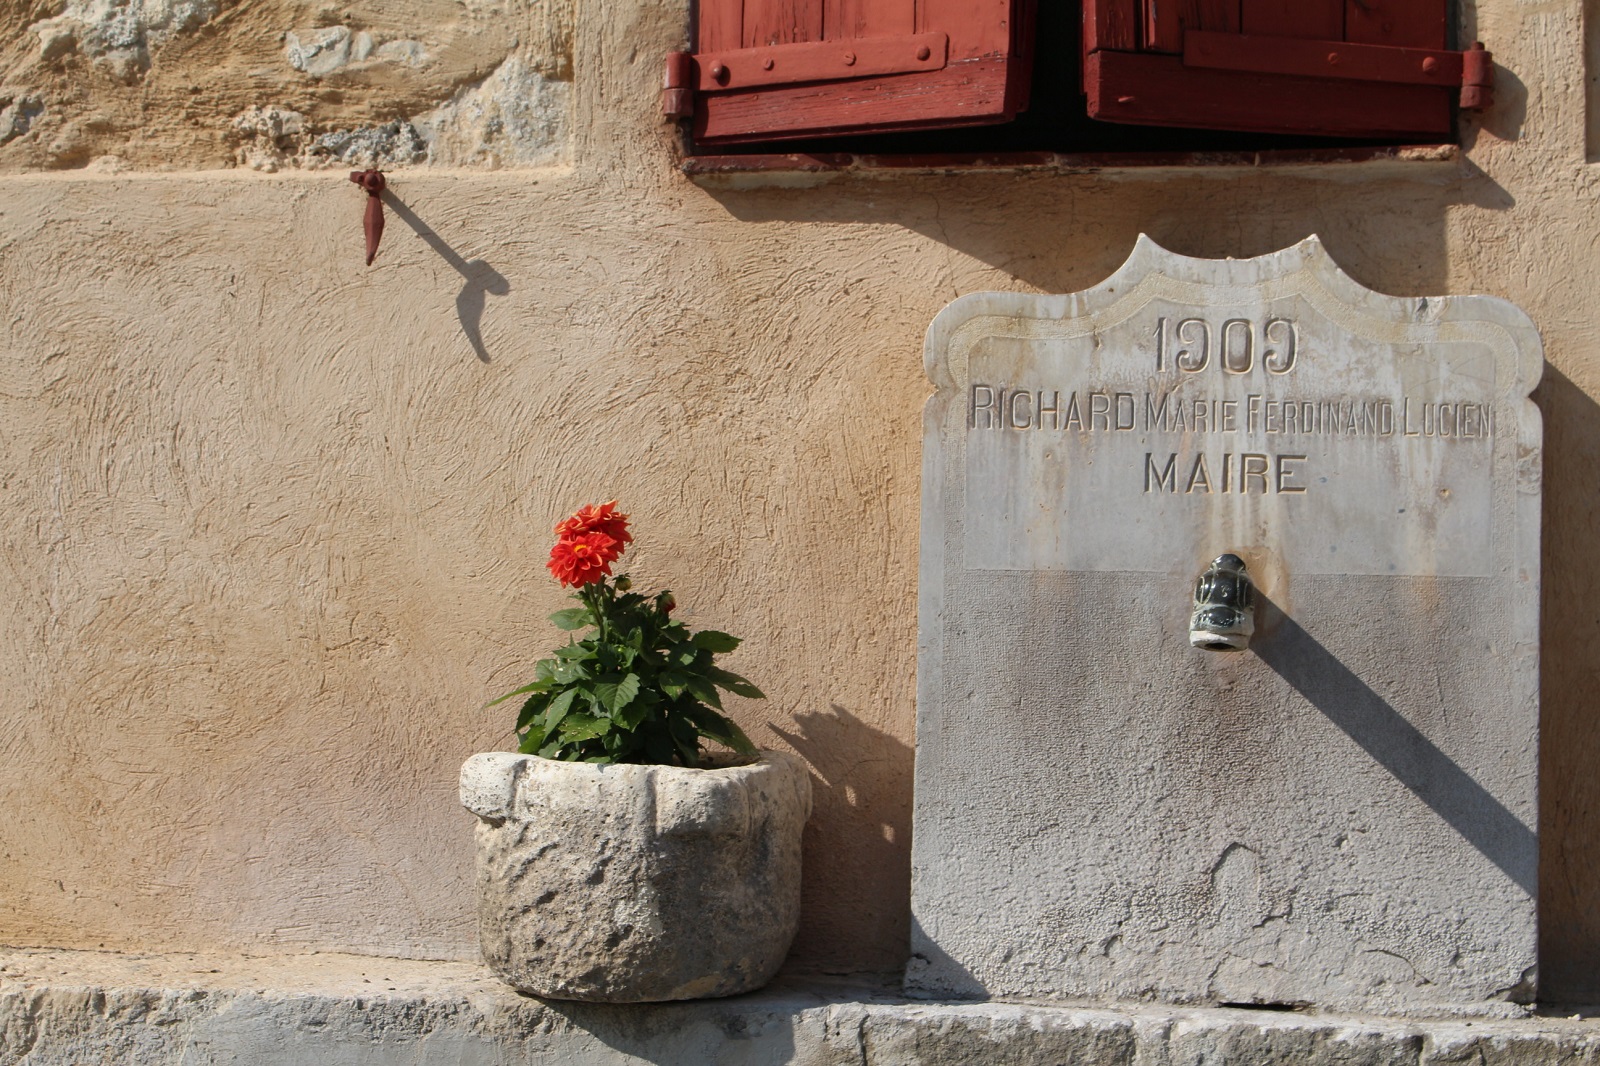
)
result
[(639, 688)]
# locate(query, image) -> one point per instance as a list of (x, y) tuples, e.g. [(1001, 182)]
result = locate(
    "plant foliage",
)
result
[(637, 687)]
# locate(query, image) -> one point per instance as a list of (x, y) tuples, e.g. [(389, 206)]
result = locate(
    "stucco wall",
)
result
[(274, 523)]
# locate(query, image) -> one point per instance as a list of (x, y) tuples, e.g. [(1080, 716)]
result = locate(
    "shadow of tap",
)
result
[(1394, 743)]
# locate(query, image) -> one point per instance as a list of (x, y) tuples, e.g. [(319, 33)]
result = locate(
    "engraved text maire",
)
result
[(1370, 459)]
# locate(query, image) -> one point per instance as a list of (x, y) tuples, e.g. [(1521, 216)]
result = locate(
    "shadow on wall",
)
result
[(1569, 740), (862, 790), (479, 279), (1504, 120), (1398, 746), (1591, 83), (1064, 232)]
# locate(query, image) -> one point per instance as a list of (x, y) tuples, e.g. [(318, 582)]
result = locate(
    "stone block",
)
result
[(61, 1008), (628, 884), (1343, 814)]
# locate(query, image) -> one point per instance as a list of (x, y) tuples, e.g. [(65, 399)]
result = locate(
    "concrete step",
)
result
[(59, 1007)]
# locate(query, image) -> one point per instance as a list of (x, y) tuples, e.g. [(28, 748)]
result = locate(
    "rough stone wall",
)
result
[(202, 84), (273, 523)]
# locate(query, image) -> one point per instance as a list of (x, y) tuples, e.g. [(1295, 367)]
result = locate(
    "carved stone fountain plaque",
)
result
[(1343, 814)]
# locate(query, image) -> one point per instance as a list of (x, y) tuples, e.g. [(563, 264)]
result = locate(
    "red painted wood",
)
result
[(1321, 20), (768, 22), (1110, 24), (1322, 59), (984, 81), (962, 94), (1019, 72), (1410, 23), (1160, 91), (977, 28), (785, 64), (719, 25), (1165, 21), (842, 19)]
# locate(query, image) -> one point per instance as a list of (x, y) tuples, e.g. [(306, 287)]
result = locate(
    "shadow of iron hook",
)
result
[(479, 279)]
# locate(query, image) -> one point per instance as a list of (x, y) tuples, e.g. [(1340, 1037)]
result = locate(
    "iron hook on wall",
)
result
[(374, 184)]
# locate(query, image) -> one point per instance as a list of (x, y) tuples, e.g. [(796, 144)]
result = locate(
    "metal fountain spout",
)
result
[(1224, 606)]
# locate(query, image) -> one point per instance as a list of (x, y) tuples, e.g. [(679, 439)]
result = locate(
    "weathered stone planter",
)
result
[(630, 884)]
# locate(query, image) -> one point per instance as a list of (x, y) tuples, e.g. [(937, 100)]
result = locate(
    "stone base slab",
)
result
[(345, 1010)]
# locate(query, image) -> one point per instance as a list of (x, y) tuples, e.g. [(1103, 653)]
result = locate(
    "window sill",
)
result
[(1430, 161)]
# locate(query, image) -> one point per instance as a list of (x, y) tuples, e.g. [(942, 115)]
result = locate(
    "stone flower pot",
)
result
[(630, 884)]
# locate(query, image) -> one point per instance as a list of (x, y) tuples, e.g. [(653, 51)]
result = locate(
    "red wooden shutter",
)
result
[(1326, 67), (772, 69)]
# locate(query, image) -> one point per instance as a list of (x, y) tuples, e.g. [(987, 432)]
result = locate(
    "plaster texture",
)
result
[(635, 884), (343, 1010), (1102, 809), (273, 524)]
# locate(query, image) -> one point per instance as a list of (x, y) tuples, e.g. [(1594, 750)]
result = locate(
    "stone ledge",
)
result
[(345, 1010)]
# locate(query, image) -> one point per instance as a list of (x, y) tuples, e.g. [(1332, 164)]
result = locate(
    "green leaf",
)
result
[(573, 651), (560, 704), (686, 738), (631, 717), (572, 618), (702, 690), (532, 707), (733, 683), (715, 642), (582, 727), (673, 683), (658, 748), (615, 693), (627, 690), (571, 672), (721, 729), (637, 710), (531, 687), (739, 742)]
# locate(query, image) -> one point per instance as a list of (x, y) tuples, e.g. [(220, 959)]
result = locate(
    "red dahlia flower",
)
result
[(583, 559), (601, 519)]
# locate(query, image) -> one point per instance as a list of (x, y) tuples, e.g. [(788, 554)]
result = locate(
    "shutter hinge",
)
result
[(1477, 78), (1472, 70), (677, 86)]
